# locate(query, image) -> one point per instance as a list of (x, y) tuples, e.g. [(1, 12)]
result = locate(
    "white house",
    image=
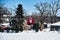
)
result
[(55, 26)]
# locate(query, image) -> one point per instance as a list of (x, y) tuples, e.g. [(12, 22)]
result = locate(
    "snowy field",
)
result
[(31, 35)]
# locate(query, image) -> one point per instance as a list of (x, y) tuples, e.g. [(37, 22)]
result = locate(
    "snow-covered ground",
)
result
[(31, 35), (46, 34)]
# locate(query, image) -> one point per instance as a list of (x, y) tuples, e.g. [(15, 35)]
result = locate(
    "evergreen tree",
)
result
[(19, 15), (19, 12)]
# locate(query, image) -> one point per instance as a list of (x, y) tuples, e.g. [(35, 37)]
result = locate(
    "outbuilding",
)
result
[(55, 26)]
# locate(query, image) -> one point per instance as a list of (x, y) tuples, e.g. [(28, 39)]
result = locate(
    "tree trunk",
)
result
[(42, 27)]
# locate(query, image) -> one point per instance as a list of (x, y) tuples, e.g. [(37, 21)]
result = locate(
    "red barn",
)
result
[(30, 20)]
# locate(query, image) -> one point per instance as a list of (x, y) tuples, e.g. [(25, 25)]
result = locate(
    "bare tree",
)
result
[(48, 9), (55, 6), (35, 15), (43, 10)]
